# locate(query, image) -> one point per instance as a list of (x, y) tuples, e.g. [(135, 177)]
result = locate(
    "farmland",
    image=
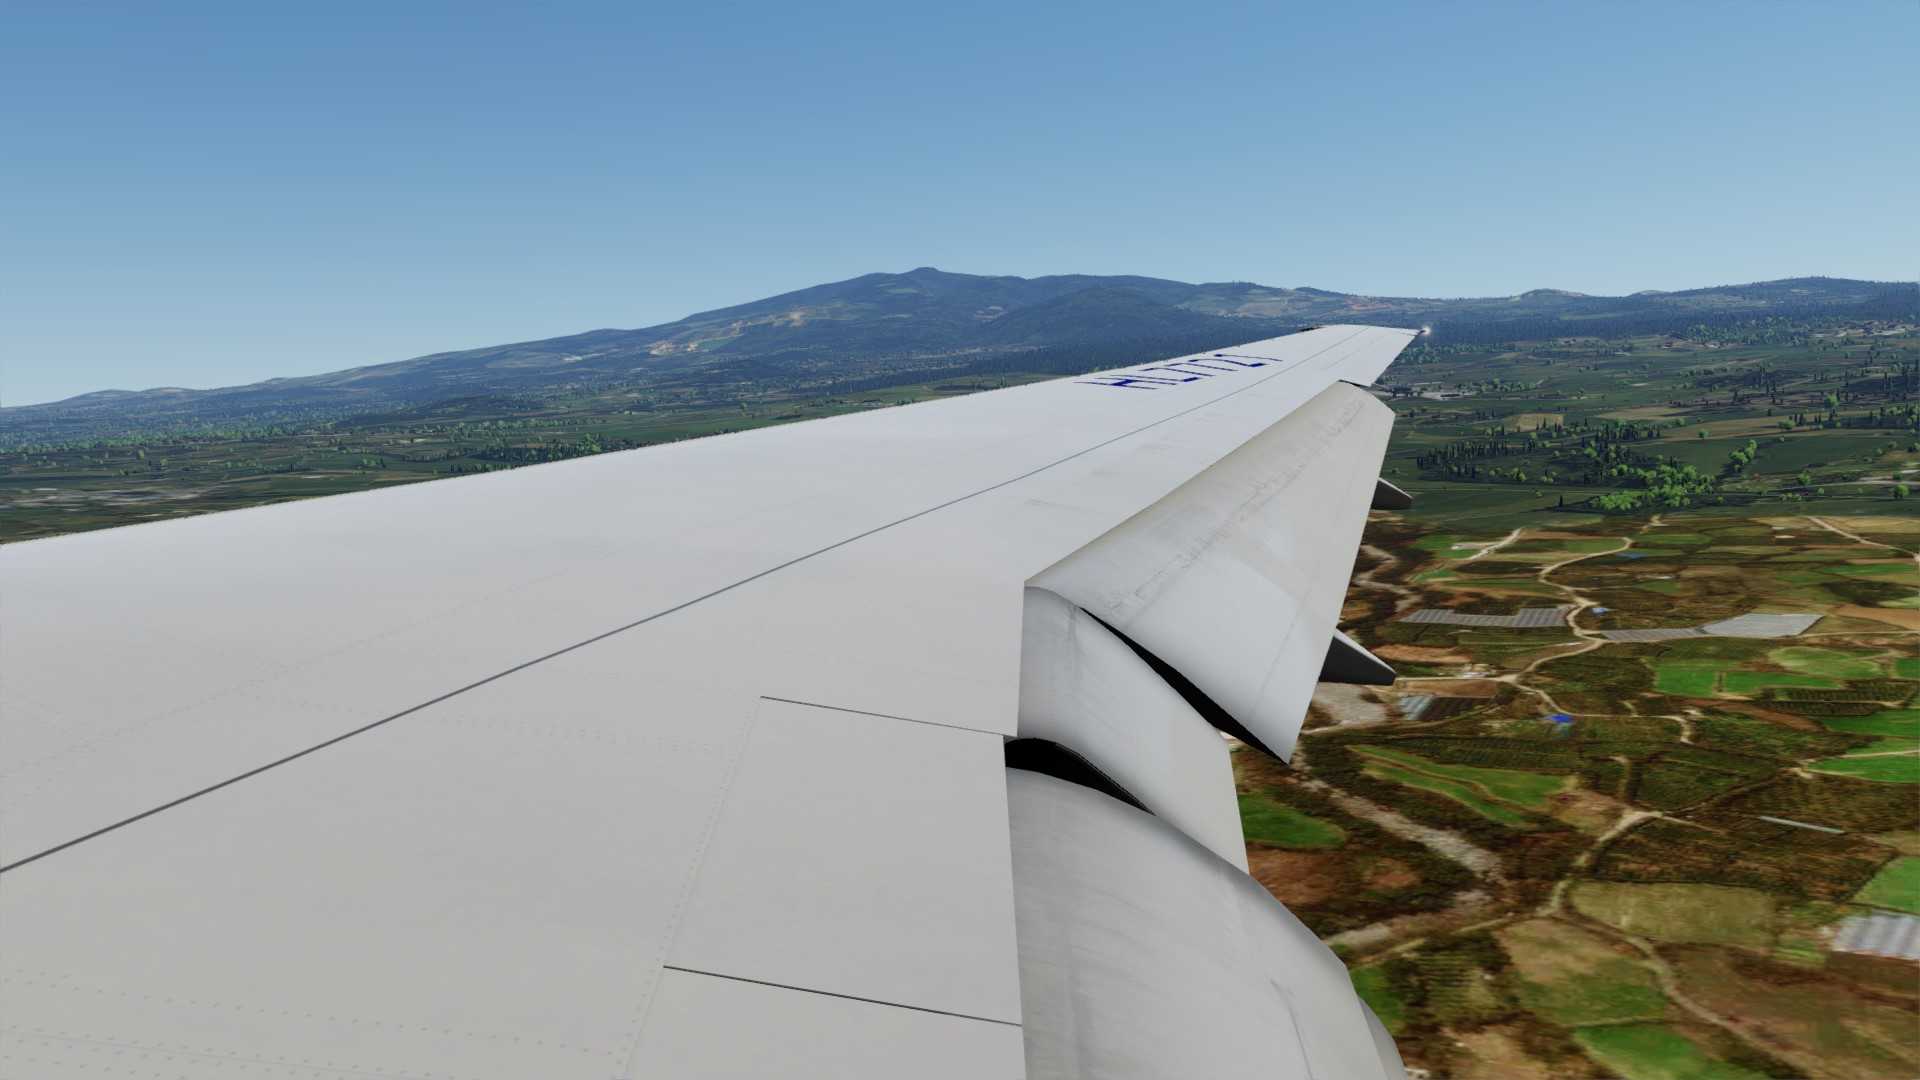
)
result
[(1266, 821), (1633, 813), (1896, 886), (1659, 836)]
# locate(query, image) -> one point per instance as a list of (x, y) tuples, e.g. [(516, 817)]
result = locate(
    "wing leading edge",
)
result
[(689, 759)]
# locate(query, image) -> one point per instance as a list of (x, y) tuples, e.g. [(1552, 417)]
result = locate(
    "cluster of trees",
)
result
[(586, 446), (1896, 417), (1595, 443), (1668, 484), (105, 446), (1425, 352), (1898, 380), (1740, 458), (1589, 452), (1789, 323)]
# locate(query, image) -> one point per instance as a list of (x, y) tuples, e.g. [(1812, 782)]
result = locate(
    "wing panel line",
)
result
[(522, 666), (832, 994)]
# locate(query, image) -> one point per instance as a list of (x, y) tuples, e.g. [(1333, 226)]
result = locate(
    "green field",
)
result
[(1896, 886), (1893, 571), (1497, 794), (1687, 678), (1827, 662), (1271, 822), (1525, 789), (1656, 1052), (1886, 769), (1899, 723), (1462, 793), (1753, 682), (1374, 988), (1615, 991), (1680, 913)]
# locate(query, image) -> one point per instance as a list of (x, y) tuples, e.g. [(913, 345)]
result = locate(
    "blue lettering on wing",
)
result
[(1134, 382), (1175, 372)]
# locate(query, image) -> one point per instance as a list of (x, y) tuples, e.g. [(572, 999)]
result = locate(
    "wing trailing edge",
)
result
[(1235, 579)]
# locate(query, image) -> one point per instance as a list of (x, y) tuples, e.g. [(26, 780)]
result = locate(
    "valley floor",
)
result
[(1549, 853)]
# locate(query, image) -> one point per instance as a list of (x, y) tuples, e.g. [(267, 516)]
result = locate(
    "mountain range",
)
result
[(929, 321)]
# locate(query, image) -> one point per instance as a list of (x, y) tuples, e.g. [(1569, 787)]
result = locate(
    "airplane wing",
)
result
[(882, 745)]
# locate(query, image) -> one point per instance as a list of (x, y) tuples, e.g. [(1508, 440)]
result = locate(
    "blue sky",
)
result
[(205, 195)]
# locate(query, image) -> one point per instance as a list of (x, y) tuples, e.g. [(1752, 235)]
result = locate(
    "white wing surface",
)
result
[(792, 752)]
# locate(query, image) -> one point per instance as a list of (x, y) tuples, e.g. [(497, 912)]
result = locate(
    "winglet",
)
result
[(1388, 497), (1348, 662)]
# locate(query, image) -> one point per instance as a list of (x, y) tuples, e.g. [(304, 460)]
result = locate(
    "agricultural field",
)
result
[(1657, 1050), (1627, 813), (1267, 821), (1658, 835), (1622, 802), (1896, 887)]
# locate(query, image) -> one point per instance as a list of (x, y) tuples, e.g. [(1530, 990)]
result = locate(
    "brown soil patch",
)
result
[(1588, 811), (1714, 571), (1425, 654), (1471, 688), (1356, 706), (1295, 878), (1878, 524), (1528, 597), (1390, 875), (1549, 951), (1642, 412), (1905, 618), (1533, 421), (1515, 661), (1253, 770), (1497, 1054), (1906, 843), (1759, 712)]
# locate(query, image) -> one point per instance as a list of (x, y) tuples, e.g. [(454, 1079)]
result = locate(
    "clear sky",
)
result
[(202, 195)]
